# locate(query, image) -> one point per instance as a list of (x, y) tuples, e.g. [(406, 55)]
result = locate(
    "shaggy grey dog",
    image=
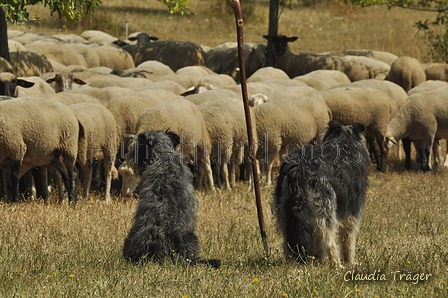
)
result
[(320, 195), (165, 219)]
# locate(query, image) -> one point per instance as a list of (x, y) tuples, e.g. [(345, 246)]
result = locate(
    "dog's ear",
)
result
[(175, 139), (334, 127), (359, 128)]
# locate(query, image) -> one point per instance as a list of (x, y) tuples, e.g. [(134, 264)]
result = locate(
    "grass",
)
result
[(55, 250)]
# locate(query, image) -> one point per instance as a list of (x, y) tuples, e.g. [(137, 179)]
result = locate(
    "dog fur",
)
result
[(165, 220), (320, 195)]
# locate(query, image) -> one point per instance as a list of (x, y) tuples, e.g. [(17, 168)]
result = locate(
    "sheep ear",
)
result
[(132, 38), (153, 38), (175, 139), (24, 84), (292, 38), (358, 128), (51, 80), (79, 81), (267, 37)]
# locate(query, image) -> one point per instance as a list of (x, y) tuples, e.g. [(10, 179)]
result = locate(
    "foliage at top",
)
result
[(72, 10), (16, 10), (434, 30)]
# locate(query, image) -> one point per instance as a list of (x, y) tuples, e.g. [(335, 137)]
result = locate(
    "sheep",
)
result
[(436, 71), (97, 36), (226, 125), (15, 46), (28, 63), (9, 83), (71, 38), (163, 85), (97, 141), (185, 119), (211, 95), (254, 87), (194, 70), (254, 59), (286, 123), (49, 132), (149, 69), (406, 72), (297, 91), (5, 66), (88, 55), (223, 59), (63, 81), (322, 79), (428, 85), (39, 87), (31, 37), (167, 52), (101, 82), (367, 106), (423, 118), (267, 73), (296, 64), (380, 69), (397, 96), (217, 80), (383, 56)]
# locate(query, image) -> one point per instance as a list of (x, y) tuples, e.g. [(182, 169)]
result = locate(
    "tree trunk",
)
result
[(272, 30), (4, 51)]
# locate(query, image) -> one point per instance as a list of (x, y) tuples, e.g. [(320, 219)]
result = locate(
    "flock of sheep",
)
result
[(72, 106)]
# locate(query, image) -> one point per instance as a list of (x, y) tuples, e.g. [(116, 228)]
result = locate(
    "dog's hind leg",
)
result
[(326, 233), (348, 234)]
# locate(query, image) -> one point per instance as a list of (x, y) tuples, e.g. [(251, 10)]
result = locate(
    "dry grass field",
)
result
[(54, 250)]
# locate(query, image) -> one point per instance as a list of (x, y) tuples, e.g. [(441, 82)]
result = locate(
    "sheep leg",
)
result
[(108, 177), (87, 169), (225, 173), (437, 152), (4, 183), (15, 177), (407, 153), (67, 171)]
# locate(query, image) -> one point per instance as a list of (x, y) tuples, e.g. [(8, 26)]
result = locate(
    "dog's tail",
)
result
[(294, 215)]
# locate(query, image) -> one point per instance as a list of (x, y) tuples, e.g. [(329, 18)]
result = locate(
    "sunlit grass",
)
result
[(63, 251)]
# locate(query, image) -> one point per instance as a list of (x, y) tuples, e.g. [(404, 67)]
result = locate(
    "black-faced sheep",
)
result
[(296, 64), (406, 72), (63, 81), (9, 83), (175, 54)]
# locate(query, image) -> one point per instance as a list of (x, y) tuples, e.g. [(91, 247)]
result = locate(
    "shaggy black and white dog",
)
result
[(165, 219), (320, 194)]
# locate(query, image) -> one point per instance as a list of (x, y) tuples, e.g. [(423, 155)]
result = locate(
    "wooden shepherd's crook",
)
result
[(235, 4)]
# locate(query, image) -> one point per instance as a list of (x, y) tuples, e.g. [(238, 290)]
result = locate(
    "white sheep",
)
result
[(226, 125), (48, 133), (28, 63), (98, 36), (96, 143), (383, 56), (322, 79), (428, 85), (296, 64), (367, 106), (267, 73), (406, 72), (436, 71), (424, 119), (211, 95), (286, 123)]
